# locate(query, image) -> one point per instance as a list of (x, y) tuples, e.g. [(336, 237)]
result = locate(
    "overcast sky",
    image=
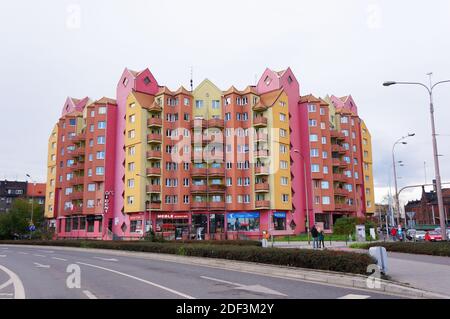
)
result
[(53, 49)]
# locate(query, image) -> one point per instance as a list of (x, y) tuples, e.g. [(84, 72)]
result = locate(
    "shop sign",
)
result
[(172, 216), (243, 215), (108, 195), (279, 215), (135, 217)]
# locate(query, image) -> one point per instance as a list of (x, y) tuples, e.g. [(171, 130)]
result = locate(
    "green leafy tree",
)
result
[(345, 226), (14, 224)]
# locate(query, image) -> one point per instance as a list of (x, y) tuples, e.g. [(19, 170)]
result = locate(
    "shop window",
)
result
[(243, 221), (279, 221)]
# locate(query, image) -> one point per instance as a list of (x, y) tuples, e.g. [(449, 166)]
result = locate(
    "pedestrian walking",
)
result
[(321, 239), (315, 237), (394, 233)]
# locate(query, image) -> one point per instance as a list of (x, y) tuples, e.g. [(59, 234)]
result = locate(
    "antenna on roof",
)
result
[(192, 79)]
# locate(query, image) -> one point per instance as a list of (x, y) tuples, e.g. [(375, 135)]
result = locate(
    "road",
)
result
[(46, 273)]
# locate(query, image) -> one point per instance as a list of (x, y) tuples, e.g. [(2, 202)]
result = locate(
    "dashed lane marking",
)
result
[(57, 258), (89, 294), (353, 296)]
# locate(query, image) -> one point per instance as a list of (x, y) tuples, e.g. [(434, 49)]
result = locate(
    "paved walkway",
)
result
[(431, 273)]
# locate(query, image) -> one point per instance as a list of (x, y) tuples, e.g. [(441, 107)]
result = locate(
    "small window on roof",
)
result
[(125, 81), (289, 79), (267, 80), (147, 80)]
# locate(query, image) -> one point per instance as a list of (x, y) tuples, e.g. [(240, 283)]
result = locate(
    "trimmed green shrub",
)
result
[(338, 261), (421, 248)]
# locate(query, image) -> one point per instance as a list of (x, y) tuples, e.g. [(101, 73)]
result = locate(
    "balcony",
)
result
[(262, 187), (340, 191), (198, 123), (154, 206), (155, 107), (259, 107), (219, 171), (154, 121), (341, 206), (261, 137), (153, 189), (76, 210), (76, 195), (339, 177), (316, 175), (198, 171), (261, 153), (262, 204), (260, 121), (337, 135), (336, 162), (153, 171), (219, 123), (199, 139), (77, 152), (338, 149), (154, 154), (199, 205), (154, 138), (97, 178), (216, 188), (216, 205), (79, 138), (78, 166), (262, 170), (78, 180), (198, 188), (343, 164)]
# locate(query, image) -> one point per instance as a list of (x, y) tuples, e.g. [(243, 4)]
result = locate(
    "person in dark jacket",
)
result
[(315, 237), (321, 239)]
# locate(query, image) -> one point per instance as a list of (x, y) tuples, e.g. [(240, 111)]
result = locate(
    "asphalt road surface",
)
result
[(40, 272)]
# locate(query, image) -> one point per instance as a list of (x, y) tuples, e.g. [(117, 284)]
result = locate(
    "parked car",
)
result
[(439, 231), (420, 235), (433, 236)]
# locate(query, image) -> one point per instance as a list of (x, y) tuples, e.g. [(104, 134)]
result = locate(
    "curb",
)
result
[(285, 272)]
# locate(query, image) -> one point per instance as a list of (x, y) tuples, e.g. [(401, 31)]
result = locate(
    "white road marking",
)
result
[(253, 288), (57, 258), (89, 294), (6, 284), (353, 296), (140, 279), (2, 255), (5, 294), (106, 259), (19, 291), (37, 255), (41, 266), (3, 247), (22, 253)]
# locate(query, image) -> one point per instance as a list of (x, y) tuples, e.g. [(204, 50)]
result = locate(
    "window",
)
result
[(100, 155), (186, 101), (90, 203), (131, 134), (284, 198), (326, 200), (282, 117), (132, 118), (102, 110), (311, 108), (101, 140), (147, 80), (198, 104), (283, 132), (91, 188), (313, 138), (312, 123), (322, 125), (325, 169), (324, 140), (72, 122), (90, 157), (215, 104), (284, 180), (243, 221), (344, 120), (315, 168), (130, 183), (101, 125), (99, 170), (322, 111), (324, 154), (314, 152), (284, 164), (325, 185), (130, 200), (69, 190)]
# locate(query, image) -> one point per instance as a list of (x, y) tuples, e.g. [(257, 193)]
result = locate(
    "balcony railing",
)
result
[(262, 170), (198, 123), (336, 134), (260, 121), (153, 171), (261, 153), (216, 205), (262, 204), (153, 188), (261, 137), (154, 138), (219, 171), (154, 121), (154, 154), (339, 177), (262, 187), (340, 191), (154, 205), (198, 171), (219, 123), (199, 205), (198, 188), (216, 188)]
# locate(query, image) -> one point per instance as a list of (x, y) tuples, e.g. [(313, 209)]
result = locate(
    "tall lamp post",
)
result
[(435, 150), (306, 191), (397, 202), (144, 222), (32, 207)]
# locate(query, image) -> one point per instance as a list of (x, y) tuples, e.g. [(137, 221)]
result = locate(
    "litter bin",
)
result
[(380, 254)]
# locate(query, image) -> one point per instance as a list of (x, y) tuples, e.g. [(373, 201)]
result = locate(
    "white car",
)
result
[(420, 235)]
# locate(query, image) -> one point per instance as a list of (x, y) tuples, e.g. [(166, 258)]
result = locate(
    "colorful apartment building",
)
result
[(206, 163)]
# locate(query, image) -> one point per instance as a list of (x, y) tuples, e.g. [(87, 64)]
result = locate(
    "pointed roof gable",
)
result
[(74, 105), (271, 97), (164, 90), (182, 90), (106, 100), (310, 99), (144, 100)]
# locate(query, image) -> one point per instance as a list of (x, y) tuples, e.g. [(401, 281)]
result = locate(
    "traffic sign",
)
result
[(31, 228)]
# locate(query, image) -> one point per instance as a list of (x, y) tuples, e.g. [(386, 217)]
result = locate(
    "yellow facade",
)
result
[(207, 101), (51, 174), (367, 169), (135, 157), (279, 151)]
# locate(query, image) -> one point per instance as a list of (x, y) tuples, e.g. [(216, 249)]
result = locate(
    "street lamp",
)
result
[(435, 150), (397, 202), (32, 206), (144, 222), (306, 191)]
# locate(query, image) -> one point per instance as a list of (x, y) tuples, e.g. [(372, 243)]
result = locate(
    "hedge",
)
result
[(337, 261), (419, 248)]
